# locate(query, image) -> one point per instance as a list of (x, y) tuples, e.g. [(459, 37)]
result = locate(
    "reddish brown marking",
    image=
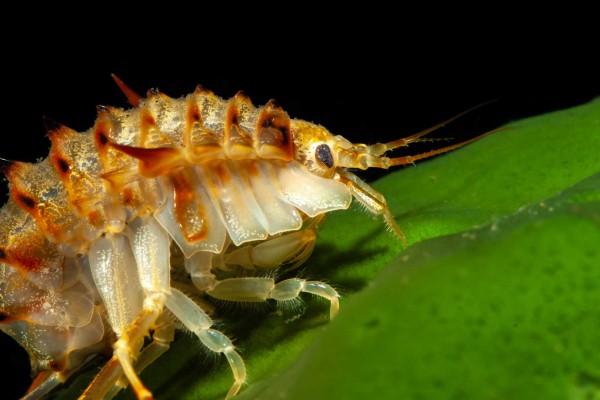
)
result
[(274, 133), (183, 188), (232, 115), (153, 162), (102, 138), (185, 201), (222, 173), (147, 122), (5, 318), (238, 144), (56, 365), (60, 138), (24, 201), (26, 256), (22, 259), (2, 254), (253, 169), (131, 95), (95, 218), (63, 165), (193, 113), (101, 135), (128, 197), (193, 117), (21, 197)]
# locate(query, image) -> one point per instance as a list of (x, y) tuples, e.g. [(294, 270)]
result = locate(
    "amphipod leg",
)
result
[(103, 381), (123, 349), (372, 200), (161, 340), (291, 249), (261, 289), (196, 320), (109, 258), (44, 382)]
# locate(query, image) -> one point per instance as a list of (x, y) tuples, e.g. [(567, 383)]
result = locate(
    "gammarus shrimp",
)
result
[(103, 240)]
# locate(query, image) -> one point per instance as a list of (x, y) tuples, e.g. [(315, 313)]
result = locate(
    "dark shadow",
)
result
[(327, 259), (15, 380), (277, 326)]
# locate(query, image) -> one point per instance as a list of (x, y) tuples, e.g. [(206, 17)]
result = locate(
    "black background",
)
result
[(368, 83)]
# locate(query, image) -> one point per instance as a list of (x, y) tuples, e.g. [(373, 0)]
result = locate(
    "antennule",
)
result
[(380, 148)]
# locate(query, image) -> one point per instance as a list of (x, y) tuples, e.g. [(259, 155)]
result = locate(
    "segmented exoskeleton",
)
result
[(86, 237)]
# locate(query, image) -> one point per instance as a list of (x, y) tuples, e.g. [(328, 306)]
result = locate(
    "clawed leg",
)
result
[(110, 379), (44, 382), (161, 340), (129, 268), (262, 289), (125, 352), (125, 347), (199, 323), (291, 249), (372, 200), (103, 381)]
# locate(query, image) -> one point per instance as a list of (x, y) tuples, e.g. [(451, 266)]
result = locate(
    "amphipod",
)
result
[(111, 230)]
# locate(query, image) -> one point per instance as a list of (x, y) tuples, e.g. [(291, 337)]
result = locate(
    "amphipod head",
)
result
[(323, 153), (315, 147), (328, 156)]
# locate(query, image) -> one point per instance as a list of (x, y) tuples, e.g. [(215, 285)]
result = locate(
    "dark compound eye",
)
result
[(324, 156)]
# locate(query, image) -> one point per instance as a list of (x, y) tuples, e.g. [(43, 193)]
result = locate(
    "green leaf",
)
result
[(495, 298), (507, 311)]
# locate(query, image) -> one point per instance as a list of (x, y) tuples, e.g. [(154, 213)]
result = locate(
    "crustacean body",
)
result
[(89, 235)]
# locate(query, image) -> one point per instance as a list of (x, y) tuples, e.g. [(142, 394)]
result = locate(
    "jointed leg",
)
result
[(161, 340), (290, 249), (118, 263), (196, 320), (372, 200), (262, 289), (125, 351), (44, 382)]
